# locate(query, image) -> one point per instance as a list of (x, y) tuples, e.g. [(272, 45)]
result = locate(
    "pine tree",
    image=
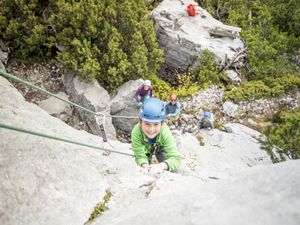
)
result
[(98, 39)]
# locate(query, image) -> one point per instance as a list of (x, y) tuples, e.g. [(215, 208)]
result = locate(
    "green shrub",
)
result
[(248, 91), (204, 75), (162, 89), (287, 82), (207, 72), (22, 26), (185, 88), (270, 30), (98, 39), (100, 207), (285, 134), (270, 87)]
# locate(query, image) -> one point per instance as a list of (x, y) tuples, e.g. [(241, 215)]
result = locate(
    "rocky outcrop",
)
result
[(3, 59), (211, 99), (45, 181), (49, 182), (122, 105), (260, 195), (233, 76), (55, 107), (183, 37), (221, 154), (230, 109), (93, 97)]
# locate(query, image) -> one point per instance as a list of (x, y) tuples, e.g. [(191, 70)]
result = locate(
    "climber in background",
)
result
[(143, 92), (172, 109), (206, 120), (152, 142)]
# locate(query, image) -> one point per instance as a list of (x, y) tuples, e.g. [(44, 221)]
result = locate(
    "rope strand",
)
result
[(5, 126), (17, 79)]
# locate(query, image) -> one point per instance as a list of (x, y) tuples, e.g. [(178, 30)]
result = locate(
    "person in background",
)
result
[(206, 121), (143, 92), (152, 140), (172, 109)]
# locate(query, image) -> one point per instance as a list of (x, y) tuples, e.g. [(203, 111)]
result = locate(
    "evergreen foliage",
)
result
[(286, 135), (98, 39), (185, 87), (207, 72), (257, 89), (116, 40), (204, 75), (270, 29)]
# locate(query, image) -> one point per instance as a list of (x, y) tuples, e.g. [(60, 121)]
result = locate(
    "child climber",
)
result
[(152, 137), (142, 93), (206, 121)]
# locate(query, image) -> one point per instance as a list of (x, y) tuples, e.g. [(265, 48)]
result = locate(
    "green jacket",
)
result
[(141, 146)]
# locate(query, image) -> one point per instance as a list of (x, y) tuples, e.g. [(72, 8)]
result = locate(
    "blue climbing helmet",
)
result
[(153, 110), (207, 115)]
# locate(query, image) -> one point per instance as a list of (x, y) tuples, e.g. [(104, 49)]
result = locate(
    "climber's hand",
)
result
[(145, 168), (158, 168)]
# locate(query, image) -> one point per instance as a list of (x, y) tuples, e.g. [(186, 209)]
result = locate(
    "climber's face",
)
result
[(173, 99), (146, 87), (151, 129)]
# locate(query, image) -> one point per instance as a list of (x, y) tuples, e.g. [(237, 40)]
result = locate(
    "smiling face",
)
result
[(151, 129)]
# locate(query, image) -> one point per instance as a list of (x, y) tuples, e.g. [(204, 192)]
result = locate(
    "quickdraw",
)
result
[(103, 134)]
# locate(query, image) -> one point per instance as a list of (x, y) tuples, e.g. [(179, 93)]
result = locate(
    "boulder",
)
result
[(230, 109), (3, 56), (260, 195), (93, 97), (2, 67), (233, 76), (122, 104), (54, 106), (3, 59), (185, 37)]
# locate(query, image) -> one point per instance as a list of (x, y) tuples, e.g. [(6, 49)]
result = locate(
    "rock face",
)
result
[(223, 154), (3, 60), (122, 104), (229, 108), (227, 181), (45, 181), (53, 106), (233, 76), (3, 56), (259, 196), (183, 37), (91, 96)]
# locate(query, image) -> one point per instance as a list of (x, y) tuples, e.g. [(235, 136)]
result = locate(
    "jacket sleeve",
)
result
[(166, 108), (177, 111), (137, 93), (170, 148), (138, 146)]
